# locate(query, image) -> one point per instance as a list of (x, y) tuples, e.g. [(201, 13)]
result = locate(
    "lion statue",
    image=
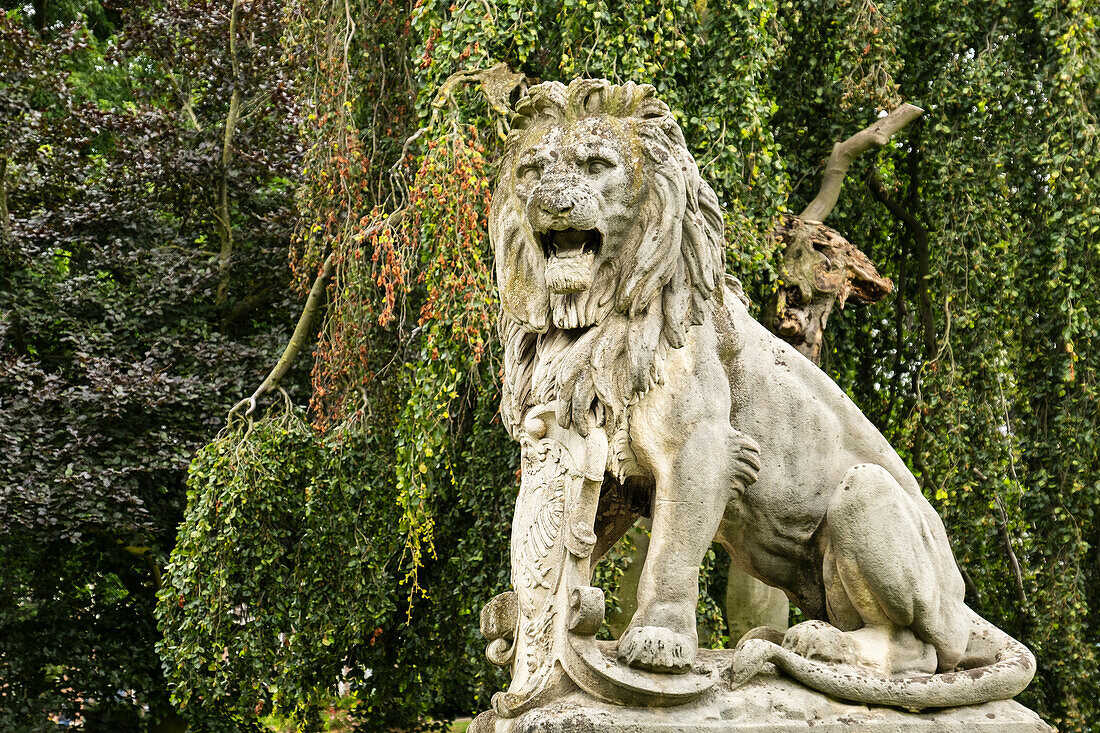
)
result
[(616, 310)]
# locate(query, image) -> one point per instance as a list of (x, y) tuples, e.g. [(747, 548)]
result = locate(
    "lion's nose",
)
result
[(558, 202), (563, 204)]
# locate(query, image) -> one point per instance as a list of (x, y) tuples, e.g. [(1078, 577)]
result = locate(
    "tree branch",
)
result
[(184, 94), (225, 227), (900, 313), (924, 259), (297, 339), (844, 153), (497, 84), (146, 556), (880, 194), (1006, 539), (243, 306), (974, 596), (5, 220), (305, 322), (1013, 561)]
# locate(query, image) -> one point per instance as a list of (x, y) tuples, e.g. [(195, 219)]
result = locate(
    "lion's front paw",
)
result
[(657, 649), (745, 454)]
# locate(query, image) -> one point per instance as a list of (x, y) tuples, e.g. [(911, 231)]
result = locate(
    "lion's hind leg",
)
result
[(890, 587)]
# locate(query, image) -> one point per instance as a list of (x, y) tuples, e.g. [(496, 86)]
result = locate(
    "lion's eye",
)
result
[(596, 166), (529, 173)]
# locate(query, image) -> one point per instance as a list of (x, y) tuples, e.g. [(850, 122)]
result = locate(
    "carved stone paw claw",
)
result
[(820, 641), (657, 649), (746, 454)]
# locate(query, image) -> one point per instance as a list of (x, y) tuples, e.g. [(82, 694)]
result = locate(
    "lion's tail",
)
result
[(1008, 673)]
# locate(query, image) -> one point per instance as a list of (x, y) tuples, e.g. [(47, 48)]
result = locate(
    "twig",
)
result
[(721, 140), (396, 175), (845, 152)]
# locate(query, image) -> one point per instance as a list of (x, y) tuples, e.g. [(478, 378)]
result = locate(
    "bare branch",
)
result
[(844, 153), (5, 220), (297, 339), (400, 194), (221, 213)]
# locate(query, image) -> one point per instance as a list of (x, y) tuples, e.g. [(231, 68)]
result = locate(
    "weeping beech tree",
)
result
[(361, 536)]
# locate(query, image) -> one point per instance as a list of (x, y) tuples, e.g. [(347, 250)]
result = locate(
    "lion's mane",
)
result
[(639, 308)]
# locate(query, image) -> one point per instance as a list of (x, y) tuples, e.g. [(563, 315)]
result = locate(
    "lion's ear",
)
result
[(520, 263)]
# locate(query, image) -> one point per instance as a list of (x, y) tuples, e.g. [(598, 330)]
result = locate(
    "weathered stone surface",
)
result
[(782, 709), (749, 603), (770, 703)]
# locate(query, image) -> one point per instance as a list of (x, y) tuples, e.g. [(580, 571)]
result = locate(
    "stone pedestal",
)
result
[(769, 703)]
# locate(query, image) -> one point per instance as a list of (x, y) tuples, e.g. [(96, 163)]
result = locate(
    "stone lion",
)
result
[(616, 310)]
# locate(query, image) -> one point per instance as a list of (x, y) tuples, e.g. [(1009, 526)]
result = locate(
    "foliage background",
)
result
[(174, 175)]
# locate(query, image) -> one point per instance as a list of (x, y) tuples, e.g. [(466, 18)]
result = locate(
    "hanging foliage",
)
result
[(285, 561)]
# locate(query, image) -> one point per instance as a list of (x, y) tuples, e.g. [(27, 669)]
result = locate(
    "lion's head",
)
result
[(600, 211), (599, 205)]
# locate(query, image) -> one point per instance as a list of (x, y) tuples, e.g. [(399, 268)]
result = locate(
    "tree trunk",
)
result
[(820, 267), (820, 270), (39, 15)]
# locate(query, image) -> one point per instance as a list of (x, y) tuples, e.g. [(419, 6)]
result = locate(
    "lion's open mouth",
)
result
[(570, 254), (567, 243)]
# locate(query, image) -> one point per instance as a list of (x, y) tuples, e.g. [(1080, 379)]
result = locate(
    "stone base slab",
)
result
[(770, 703)]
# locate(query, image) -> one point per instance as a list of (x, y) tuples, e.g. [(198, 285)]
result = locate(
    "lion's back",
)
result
[(809, 430)]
